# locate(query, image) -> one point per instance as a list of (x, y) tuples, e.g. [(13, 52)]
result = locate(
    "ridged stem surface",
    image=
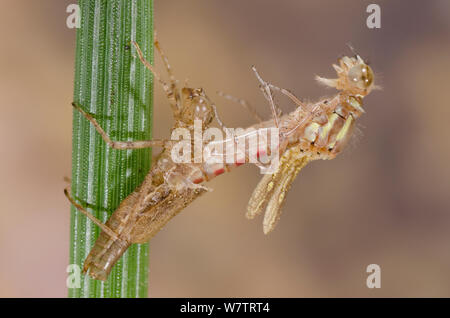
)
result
[(112, 85)]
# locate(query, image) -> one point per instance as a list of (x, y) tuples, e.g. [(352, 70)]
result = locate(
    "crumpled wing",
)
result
[(271, 191), (259, 197)]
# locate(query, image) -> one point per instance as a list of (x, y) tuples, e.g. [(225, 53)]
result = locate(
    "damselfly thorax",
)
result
[(312, 131)]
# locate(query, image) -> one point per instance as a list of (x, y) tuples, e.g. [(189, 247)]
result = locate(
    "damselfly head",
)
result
[(354, 76), (359, 75)]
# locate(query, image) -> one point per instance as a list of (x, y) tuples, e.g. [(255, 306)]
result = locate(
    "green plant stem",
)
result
[(112, 85)]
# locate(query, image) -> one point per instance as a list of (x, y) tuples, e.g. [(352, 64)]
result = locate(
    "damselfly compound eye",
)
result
[(361, 75), (312, 131)]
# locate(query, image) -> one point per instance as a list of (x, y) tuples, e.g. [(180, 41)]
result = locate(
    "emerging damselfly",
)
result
[(312, 131)]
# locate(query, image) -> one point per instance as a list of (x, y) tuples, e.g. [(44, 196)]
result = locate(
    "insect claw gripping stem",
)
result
[(148, 65), (165, 61), (161, 195), (121, 145), (104, 228), (168, 89), (312, 131)]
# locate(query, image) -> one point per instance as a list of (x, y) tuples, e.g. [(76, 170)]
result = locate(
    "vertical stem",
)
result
[(111, 84)]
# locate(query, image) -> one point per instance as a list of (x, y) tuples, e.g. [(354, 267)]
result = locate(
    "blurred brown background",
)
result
[(384, 201)]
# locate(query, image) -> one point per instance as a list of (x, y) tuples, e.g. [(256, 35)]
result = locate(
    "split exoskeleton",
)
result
[(312, 131)]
